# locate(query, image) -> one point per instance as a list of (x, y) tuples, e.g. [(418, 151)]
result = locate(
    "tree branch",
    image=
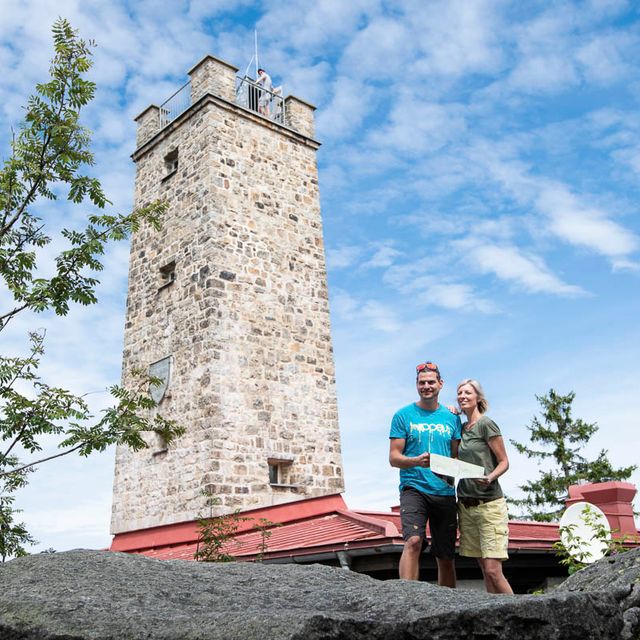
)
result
[(3, 474), (11, 314)]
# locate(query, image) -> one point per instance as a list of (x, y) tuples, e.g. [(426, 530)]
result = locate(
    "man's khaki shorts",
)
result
[(484, 530)]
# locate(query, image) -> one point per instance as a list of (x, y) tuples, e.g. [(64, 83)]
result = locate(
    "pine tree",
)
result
[(562, 437)]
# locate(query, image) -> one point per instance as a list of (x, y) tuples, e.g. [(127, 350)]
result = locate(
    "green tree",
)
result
[(49, 156), (562, 437), (216, 532), (13, 535), (264, 526)]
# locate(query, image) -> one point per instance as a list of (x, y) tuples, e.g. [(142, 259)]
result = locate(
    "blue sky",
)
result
[(479, 179)]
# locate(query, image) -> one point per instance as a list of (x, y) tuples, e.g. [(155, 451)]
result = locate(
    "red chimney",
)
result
[(614, 498)]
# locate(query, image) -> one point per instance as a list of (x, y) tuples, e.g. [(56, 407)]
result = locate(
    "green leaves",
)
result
[(52, 147), (13, 535), (216, 533), (48, 410), (564, 437), (51, 153), (575, 554)]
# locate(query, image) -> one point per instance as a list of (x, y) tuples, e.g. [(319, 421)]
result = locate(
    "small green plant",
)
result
[(573, 550), (215, 532), (264, 526)]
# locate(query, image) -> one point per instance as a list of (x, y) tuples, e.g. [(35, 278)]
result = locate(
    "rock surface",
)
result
[(618, 575), (98, 595)]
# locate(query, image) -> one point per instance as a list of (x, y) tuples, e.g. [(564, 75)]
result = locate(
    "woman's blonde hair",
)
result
[(483, 404)]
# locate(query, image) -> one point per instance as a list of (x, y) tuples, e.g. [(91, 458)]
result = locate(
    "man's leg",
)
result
[(446, 572), (413, 516), (443, 523), (410, 558)]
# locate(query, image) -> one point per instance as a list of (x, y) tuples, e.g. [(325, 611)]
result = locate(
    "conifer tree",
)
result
[(562, 437)]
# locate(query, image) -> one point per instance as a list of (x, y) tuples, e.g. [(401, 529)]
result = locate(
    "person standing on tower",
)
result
[(417, 431), (264, 81)]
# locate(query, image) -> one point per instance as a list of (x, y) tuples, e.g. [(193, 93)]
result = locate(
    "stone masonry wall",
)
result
[(246, 321)]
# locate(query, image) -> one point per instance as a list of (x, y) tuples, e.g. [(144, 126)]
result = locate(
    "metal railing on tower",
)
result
[(253, 96), (249, 94), (179, 102)]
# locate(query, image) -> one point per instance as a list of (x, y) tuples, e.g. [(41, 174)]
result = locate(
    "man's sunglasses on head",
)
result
[(431, 366)]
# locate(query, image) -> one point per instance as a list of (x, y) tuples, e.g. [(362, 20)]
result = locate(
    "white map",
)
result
[(455, 468)]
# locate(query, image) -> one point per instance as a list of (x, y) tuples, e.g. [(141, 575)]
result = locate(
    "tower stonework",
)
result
[(230, 298)]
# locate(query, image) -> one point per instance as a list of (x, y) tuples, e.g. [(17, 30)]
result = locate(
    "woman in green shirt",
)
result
[(482, 509)]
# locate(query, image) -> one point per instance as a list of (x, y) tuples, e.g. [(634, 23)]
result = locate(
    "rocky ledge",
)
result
[(618, 575), (98, 595)]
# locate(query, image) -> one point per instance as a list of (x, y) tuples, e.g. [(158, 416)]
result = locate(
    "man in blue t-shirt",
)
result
[(417, 431)]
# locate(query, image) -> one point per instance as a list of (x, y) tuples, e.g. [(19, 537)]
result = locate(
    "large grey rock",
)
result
[(618, 575), (100, 595)]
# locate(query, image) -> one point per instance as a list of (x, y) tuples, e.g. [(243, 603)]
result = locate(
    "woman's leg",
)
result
[(494, 579), (494, 534)]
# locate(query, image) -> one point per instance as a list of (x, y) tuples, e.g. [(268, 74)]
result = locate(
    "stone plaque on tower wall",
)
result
[(161, 370), (234, 288)]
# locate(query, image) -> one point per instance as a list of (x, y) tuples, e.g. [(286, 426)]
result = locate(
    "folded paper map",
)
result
[(455, 468)]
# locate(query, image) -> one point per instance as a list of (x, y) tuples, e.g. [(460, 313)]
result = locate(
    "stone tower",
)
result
[(228, 304)]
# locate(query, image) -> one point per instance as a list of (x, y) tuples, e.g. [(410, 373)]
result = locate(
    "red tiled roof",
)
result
[(326, 531), (322, 533), (324, 525), (305, 528), (185, 532)]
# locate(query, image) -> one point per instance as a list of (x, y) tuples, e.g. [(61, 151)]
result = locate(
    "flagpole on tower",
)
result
[(255, 36)]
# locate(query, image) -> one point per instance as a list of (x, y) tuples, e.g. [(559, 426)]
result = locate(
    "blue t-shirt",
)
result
[(425, 432)]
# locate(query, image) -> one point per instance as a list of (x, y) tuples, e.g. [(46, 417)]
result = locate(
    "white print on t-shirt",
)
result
[(421, 427), (417, 429)]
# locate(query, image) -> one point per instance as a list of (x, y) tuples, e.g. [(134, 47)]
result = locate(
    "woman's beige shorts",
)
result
[(484, 530)]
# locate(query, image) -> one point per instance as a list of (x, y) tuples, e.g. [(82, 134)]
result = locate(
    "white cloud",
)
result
[(349, 105), (311, 82), (626, 265), (417, 126), (441, 290), (343, 257), (564, 214), (585, 226), (343, 304), (455, 296), (603, 8), (376, 255), (384, 256), (199, 9), (603, 57), (380, 316), (508, 263), (455, 37), (379, 52), (312, 26), (544, 73)]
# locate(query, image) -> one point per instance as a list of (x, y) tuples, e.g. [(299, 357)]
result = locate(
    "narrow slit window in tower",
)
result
[(171, 163), (167, 275)]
